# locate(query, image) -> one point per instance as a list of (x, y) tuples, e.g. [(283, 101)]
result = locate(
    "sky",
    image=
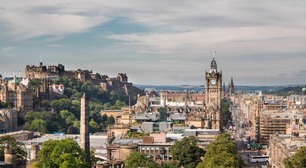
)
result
[(258, 42)]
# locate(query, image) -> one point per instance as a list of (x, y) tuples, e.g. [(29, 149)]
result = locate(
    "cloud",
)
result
[(8, 48), (7, 51), (57, 18), (283, 74), (55, 45), (253, 39)]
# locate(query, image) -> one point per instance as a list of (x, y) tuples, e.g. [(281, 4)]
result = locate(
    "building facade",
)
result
[(21, 96)]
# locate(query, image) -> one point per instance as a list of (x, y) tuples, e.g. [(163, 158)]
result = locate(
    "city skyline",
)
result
[(159, 43)]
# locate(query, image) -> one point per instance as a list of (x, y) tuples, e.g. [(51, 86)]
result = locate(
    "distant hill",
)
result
[(286, 91), (199, 88)]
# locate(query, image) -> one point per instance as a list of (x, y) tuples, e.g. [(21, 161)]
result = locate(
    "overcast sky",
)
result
[(258, 42)]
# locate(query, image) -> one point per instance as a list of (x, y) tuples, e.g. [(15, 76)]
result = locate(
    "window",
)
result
[(142, 148), (166, 148), (152, 148), (147, 148), (156, 148), (113, 156)]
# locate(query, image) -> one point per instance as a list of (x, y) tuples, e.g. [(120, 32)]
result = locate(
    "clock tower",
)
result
[(213, 85), (213, 94)]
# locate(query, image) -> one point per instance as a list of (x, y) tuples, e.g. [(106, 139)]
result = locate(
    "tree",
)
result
[(35, 82), (104, 117), (298, 160), (46, 103), (61, 154), (110, 120), (222, 153), (227, 115), (39, 125), (186, 152), (137, 159), (98, 76), (72, 130), (20, 121), (67, 118), (92, 126), (10, 142)]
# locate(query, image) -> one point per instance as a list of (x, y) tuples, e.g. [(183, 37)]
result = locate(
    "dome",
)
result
[(213, 64), (304, 88), (15, 80)]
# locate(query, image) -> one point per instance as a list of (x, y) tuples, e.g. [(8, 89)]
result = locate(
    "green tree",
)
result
[(137, 159), (10, 142), (227, 115), (77, 124), (222, 153), (46, 103), (110, 120), (298, 160), (86, 88), (61, 154), (72, 130), (62, 104), (67, 118), (39, 125), (186, 152), (34, 83), (98, 76), (93, 126), (104, 117)]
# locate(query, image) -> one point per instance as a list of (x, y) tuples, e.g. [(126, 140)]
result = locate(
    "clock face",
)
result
[(213, 81)]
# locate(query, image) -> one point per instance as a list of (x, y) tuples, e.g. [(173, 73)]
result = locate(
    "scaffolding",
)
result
[(270, 126)]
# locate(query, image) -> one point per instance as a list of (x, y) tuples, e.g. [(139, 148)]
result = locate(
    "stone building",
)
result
[(20, 95), (21, 135), (205, 113), (282, 146), (8, 120), (120, 83), (231, 90)]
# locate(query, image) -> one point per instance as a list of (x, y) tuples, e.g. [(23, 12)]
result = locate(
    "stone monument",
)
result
[(84, 128)]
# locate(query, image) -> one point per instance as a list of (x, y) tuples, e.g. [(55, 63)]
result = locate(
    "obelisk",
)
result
[(84, 128)]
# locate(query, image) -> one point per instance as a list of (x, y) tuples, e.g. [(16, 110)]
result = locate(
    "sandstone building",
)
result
[(204, 113), (8, 120), (20, 95)]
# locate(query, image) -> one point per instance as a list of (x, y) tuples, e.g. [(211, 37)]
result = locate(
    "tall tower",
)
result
[(213, 89), (84, 128), (213, 85), (232, 86), (223, 90)]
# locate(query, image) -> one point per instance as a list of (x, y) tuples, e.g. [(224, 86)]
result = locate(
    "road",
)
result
[(238, 116)]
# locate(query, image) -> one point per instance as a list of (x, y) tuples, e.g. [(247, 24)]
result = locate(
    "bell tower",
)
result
[(213, 95), (213, 85)]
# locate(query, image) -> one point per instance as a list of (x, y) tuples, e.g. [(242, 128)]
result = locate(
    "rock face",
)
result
[(84, 127)]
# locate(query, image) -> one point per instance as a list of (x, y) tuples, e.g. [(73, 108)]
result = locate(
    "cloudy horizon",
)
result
[(159, 42)]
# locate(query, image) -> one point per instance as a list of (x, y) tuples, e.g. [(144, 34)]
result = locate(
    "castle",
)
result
[(120, 83)]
